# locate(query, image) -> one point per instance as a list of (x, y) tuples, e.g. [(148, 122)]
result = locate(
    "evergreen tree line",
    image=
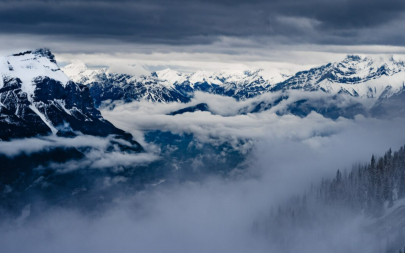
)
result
[(366, 189), (370, 187)]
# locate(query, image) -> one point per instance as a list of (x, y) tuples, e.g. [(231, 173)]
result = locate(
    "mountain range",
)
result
[(374, 77), (39, 98), (169, 85)]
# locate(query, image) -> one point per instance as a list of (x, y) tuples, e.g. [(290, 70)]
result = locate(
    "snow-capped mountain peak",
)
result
[(37, 98), (360, 76), (75, 69), (80, 73), (29, 65), (201, 76), (171, 77), (364, 67)]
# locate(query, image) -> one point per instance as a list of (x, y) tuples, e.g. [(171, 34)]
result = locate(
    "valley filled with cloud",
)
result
[(202, 126), (282, 156)]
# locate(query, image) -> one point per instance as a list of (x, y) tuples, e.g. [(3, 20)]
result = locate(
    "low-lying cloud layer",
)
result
[(99, 152), (225, 123), (288, 153)]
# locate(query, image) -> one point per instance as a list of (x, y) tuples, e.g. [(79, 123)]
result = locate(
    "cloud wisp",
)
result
[(224, 122), (99, 153)]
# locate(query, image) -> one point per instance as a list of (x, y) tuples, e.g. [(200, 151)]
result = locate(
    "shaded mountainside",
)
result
[(37, 98), (203, 107), (391, 107)]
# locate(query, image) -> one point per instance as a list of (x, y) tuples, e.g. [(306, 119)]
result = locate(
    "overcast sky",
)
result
[(191, 34)]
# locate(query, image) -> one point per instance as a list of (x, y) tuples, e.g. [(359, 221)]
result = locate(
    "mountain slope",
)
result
[(37, 98), (366, 77), (390, 107), (104, 85)]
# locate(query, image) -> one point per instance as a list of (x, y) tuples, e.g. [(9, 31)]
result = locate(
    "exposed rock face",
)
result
[(37, 98), (203, 107), (17, 119)]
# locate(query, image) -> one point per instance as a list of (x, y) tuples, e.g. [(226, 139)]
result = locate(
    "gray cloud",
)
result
[(201, 22)]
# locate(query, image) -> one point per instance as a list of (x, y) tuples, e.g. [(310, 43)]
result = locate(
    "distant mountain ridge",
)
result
[(366, 77), (169, 85), (374, 77)]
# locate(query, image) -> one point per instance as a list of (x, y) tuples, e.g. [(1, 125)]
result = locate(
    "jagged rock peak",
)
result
[(377, 59), (44, 52), (28, 66), (37, 98), (351, 57)]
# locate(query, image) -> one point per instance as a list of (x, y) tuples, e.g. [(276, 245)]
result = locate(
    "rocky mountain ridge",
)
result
[(374, 77), (37, 98)]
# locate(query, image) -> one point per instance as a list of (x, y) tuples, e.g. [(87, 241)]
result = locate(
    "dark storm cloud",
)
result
[(199, 22)]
